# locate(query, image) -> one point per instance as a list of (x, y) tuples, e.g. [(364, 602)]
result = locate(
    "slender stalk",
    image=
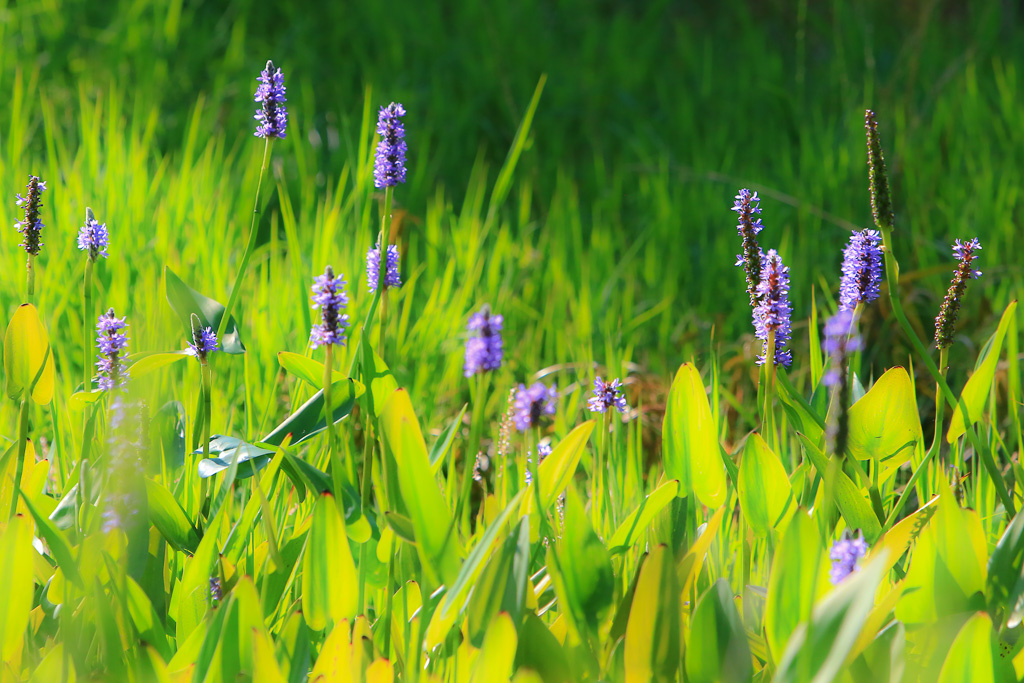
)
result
[(87, 323), (336, 465), (22, 448), (940, 405), (768, 426), (383, 242), (207, 379), (892, 278), (249, 246), (31, 277)]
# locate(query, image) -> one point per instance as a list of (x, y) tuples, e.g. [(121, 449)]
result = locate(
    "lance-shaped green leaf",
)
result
[(1005, 585), (502, 585), (308, 420), (16, 577), (717, 651), (28, 358), (436, 540), (795, 581), (652, 633), (972, 657), (690, 439), (852, 504), (143, 364), (187, 302), (229, 449), (978, 387), (558, 469), (764, 490), (330, 584), (167, 515)]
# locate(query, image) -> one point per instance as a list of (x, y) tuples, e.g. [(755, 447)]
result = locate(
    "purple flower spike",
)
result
[(270, 95), (747, 205), (329, 296), (862, 270), (945, 322), (112, 342), (845, 554), (389, 166), (534, 403), (31, 226), (391, 277), (204, 342), (606, 395), (483, 352), (773, 312), (93, 239)]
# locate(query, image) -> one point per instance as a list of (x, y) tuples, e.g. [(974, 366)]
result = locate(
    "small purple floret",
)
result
[(607, 395), (330, 298), (204, 342), (391, 276), (31, 226), (389, 165), (270, 95)]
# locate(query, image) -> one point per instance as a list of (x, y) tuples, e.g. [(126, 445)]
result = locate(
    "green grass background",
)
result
[(614, 245)]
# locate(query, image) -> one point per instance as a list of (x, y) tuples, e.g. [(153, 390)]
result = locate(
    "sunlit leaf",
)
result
[(652, 633), (187, 302), (28, 358), (691, 451)]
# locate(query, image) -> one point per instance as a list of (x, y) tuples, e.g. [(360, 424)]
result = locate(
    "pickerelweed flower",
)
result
[(389, 166), (845, 554), (112, 342), (270, 95), (329, 296), (204, 342), (606, 395), (31, 226), (484, 351), (391, 276), (747, 205), (945, 322), (93, 239), (773, 312), (533, 403), (878, 177), (862, 270), (841, 338)]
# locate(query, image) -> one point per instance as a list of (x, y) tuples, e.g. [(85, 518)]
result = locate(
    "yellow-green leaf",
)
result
[(971, 657), (884, 423), (795, 581), (330, 583), (636, 522), (16, 578), (691, 451), (978, 387), (436, 540), (652, 634), (28, 358), (494, 664), (763, 487)]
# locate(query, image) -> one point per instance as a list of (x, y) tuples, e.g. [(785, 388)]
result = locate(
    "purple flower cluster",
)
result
[(845, 554), (389, 165), (862, 270), (607, 395), (93, 239), (773, 312), (534, 403), (272, 114), (329, 296), (112, 342), (31, 226), (204, 342), (747, 205), (945, 322), (484, 351), (391, 276)]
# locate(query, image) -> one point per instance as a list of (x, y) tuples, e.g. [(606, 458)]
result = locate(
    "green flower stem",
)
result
[(940, 405), (249, 246), (22, 447), (892, 278), (383, 242), (768, 425), (207, 380), (597, 481), (31, 277), (337, 468), (478, 395), (87, 322)]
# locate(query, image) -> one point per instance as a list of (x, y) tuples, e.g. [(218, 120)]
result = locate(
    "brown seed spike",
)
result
[(878, 178)]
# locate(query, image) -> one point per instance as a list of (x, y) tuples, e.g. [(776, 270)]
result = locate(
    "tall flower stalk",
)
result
[(31, 226), (388, 172), (272, 116), (203, 343), (747, 206), (330, 299), (607, 398), (92, 240), (882, 212)]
